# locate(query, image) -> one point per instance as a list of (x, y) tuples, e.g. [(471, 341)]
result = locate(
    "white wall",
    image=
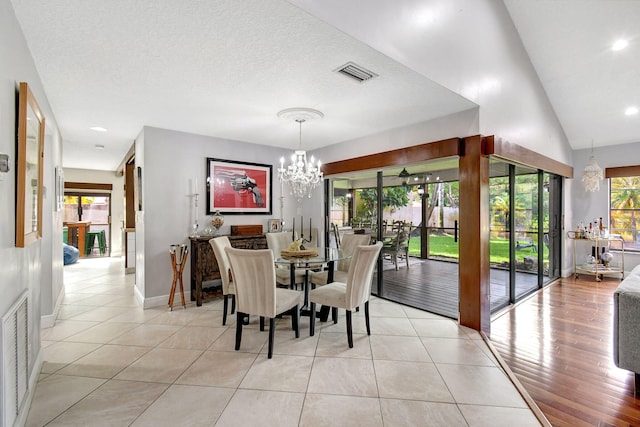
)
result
[(171, 161), (117, 200), (588, 205), (140, 233), (471, 47), (36, 269)]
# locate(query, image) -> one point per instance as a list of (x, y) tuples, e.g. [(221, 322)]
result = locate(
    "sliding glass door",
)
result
[(525, 234), (94, 208)]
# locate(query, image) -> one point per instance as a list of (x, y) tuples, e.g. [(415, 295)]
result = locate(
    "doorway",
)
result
[(413, 209), (95, 210)]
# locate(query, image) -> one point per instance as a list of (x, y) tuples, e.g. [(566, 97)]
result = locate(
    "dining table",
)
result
[(78, 231), (325, 258)]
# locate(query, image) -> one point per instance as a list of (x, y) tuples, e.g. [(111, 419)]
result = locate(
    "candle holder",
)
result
[(302, 238), (195, 226), (303, 241)]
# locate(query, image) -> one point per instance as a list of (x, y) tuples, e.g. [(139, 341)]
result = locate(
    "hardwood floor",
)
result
[(558, 343)]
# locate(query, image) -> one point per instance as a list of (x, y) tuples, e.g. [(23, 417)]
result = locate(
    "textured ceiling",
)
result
[(222, 68), (226, 67)]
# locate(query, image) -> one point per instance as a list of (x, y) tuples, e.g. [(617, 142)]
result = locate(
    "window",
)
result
[(624, 214)]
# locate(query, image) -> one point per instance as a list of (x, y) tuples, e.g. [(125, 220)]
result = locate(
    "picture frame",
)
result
[(235, 187), (29, 170), (275, 225)]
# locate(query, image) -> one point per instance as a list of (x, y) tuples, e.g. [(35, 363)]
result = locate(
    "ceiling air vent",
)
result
[(356, 72)]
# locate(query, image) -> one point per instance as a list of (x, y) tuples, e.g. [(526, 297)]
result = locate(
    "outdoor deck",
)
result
[(433, 285)]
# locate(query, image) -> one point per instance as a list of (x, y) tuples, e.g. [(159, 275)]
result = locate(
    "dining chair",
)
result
[(397, 246), (353, 293), (228, 288), (254, 275), (276, 242), (349, 244)]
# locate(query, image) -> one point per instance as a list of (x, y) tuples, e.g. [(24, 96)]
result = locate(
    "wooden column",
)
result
[(475, 310)]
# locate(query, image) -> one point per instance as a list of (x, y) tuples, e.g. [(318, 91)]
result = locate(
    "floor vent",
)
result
[(356, 72), (15, 359)]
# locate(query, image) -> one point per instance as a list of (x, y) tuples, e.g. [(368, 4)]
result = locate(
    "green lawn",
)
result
[(445, 246)]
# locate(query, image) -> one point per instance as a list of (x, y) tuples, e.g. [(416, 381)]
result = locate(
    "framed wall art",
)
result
[(275, 225), (238, 187), (30, 159)]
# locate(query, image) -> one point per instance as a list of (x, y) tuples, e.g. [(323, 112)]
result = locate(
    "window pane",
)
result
[(625, 210)]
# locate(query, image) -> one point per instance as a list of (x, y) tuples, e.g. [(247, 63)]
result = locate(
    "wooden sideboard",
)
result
[(204, 266)]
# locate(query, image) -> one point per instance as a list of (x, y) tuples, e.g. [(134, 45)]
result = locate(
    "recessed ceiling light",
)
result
[(620, 44), (98, 129), (631, 111), (99, 147)]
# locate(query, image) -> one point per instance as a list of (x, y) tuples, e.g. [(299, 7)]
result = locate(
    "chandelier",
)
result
[(592, 174), (302, 175)]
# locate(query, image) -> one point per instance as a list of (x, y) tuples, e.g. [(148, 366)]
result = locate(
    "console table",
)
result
[(204, 266)]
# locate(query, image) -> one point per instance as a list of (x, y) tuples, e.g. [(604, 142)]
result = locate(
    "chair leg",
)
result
[(349, 329), (233, 303), (239, 318), (272, 330), (366, 316), (312, 321), (225, 305), (295, 320), (334, 314), (261, 323)]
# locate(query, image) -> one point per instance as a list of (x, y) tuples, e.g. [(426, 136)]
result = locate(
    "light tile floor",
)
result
[(108, 362)]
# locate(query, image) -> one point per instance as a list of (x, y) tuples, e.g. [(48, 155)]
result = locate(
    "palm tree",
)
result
[(625, 201)]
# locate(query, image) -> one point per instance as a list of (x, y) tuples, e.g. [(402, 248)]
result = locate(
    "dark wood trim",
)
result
[(88, 186), (128, 158), (129, 201), (475, 311), (622, 171), (401, 156), (518, 154)]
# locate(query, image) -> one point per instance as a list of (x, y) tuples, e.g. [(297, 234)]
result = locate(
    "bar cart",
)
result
[(598, 269)]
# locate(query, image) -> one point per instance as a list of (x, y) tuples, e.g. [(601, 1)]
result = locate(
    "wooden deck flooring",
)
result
[(433, 285), (559, 345)]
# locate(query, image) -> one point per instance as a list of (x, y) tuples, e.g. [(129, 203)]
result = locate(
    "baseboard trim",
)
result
[(163, 300), (49, 320)]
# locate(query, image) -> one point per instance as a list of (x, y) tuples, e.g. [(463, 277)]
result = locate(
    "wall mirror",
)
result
[(30, 155)]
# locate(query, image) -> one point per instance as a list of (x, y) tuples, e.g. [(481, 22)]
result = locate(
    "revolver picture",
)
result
[(240, 183)]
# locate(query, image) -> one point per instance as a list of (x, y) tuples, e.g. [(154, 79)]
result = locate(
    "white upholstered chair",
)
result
[(228, 288), (349, 244), (353, 293), (276, 242), (254, 275)]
